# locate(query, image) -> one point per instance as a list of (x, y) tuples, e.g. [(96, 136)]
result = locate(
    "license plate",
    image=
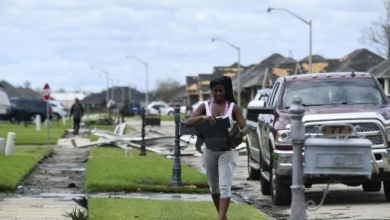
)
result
[(336, 129)]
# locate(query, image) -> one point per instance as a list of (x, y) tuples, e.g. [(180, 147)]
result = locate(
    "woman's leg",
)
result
[(226, 165), (210, 163), (216, 198)]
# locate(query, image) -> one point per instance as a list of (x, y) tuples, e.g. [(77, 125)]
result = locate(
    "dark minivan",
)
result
[(26, 109)]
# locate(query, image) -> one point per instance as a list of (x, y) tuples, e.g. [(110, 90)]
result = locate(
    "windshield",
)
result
[(333, 92)]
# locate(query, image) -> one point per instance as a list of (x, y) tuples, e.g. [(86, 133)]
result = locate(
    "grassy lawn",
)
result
[(14, 168), (116, 208), (30, 136), (110, 170)]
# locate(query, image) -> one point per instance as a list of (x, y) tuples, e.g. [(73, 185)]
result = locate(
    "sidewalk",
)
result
[(62, 173)]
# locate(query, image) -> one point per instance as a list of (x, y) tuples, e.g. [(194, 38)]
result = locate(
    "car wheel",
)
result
[(253, 173), (170, 113), (372, 186), (55, 117), (386, 189), (264, 184), (280, 192)]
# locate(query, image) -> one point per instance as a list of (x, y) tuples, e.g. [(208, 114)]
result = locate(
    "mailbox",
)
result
[(153, 121), (338, 156), (186, 130)]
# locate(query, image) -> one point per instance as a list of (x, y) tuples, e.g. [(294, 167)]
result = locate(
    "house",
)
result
[(98, 101), (382, 73), (19, 91), (67, 99), (264, 73), (192, 91)]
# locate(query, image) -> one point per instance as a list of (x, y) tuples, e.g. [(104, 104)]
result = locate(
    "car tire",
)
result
[(280, 191), (264, 184), (386, 189), (372, 186), (170, 113), (55, 117), (253, 173)]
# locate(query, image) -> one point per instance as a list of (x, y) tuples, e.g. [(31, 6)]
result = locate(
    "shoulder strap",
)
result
[(231, 109), (207, 108)]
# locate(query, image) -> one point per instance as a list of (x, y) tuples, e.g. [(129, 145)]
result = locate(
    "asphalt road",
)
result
[(342, 202)]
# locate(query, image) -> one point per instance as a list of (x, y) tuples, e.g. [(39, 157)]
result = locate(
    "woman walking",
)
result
[(220, 165)]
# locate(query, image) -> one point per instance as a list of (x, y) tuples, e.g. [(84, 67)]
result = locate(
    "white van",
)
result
[(5, 105)]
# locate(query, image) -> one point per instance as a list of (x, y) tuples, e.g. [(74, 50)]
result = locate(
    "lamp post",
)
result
[(307, 22), (146, 65), (238, 70), (92, 67)]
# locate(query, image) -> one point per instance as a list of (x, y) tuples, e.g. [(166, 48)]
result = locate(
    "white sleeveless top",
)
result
[(229, 113)]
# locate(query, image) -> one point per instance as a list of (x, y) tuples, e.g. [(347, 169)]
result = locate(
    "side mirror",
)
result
[(258, 107), (256, 104)]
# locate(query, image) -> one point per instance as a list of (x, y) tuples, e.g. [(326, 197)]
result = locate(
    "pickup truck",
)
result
[(328, 98)]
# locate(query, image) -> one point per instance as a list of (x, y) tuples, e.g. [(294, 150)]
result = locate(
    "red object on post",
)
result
[(46, 92)]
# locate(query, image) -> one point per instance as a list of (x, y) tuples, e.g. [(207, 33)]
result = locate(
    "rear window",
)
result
[(39, 103), (333, 92)]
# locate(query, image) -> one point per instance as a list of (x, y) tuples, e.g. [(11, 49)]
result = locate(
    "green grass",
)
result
[(117, 208), (109, 170), (14, 168), (30, 136)]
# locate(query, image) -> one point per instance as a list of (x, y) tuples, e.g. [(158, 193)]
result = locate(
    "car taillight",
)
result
[(50, 111), (64, 109)]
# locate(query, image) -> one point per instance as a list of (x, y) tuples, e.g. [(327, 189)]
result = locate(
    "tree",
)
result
[(378, 35), (166, 89), (61, 90), (27, 84)]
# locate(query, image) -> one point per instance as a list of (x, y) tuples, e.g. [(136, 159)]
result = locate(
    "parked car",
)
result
[(183, 108), (252, 143), (59, 110), (328, 98), (26, 109), (160, 108), (5, 105)]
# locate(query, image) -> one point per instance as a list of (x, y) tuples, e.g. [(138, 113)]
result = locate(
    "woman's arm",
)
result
[(241, 122), (198, 116)]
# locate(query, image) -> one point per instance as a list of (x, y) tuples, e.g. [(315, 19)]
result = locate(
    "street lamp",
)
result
[(239, 67), (92, 67), (146, 65), (307, 22)]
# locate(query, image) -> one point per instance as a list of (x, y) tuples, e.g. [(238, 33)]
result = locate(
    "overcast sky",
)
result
[(57, 42)]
